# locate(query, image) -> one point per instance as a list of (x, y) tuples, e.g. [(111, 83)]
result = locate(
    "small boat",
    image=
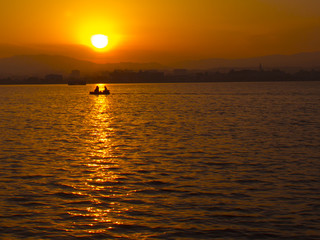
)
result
[(101, 93), (98, 92)]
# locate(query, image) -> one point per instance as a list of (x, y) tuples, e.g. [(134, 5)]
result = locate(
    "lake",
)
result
[(160, 161)]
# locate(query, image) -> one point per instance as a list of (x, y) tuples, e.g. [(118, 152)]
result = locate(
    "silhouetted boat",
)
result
[(101, 93)]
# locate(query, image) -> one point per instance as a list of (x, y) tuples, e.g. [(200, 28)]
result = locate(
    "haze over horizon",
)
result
[(164, 32)]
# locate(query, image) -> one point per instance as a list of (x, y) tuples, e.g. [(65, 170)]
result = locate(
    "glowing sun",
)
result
[(99, 41)]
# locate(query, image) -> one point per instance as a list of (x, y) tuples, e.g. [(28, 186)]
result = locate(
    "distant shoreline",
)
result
[(22, 83), (179, 76)]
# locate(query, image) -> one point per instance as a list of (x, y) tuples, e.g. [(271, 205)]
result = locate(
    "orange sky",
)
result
[(161, 31)]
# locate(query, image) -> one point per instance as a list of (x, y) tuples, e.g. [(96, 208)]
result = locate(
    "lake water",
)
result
[(160, 161)]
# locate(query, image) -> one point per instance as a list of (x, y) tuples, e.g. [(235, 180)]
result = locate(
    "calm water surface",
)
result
[(160, 161)]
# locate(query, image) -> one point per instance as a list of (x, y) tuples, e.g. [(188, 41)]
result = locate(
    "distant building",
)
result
[(33, 80), (260, 67), (180, 71), (132, 76), (75, 79), (53, 78), (75, 74)]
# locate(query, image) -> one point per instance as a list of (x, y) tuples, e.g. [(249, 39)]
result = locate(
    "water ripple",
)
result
[(160, 161)]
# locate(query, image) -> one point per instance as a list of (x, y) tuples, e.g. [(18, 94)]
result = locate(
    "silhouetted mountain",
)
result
[(40, 65), (300, 60)]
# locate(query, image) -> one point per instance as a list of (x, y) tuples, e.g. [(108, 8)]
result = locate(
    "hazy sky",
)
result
[(162, 31)]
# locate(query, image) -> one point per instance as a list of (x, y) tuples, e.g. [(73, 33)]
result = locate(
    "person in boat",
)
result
[(97, 89), (105, 89)]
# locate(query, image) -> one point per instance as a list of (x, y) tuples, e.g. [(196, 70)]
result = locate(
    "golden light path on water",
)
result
[(102, 166)]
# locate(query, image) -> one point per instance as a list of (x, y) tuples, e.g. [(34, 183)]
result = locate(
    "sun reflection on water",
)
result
[(102, 166)]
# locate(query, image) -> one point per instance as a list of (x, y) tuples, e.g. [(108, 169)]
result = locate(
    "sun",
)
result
[(99, 41)]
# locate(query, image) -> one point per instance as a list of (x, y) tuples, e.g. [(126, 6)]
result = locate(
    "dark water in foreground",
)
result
[(160, 161)]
